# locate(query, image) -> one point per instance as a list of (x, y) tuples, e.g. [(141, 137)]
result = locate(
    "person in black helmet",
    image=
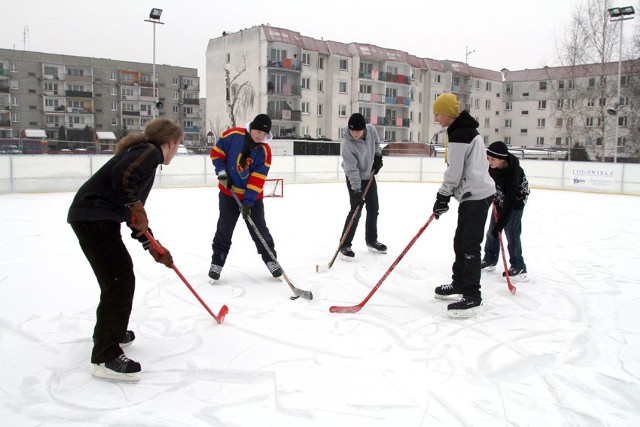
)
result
[(361, 160)]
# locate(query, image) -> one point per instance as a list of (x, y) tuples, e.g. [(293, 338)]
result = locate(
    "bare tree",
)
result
[(240, 97), (585, 51)]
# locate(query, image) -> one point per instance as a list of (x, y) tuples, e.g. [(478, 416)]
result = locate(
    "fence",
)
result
[(66, 172)]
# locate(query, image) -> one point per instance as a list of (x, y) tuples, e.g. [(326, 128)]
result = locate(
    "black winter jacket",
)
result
[(512, 189), (126, 178)]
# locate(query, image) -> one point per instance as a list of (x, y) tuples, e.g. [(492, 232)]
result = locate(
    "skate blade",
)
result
[(452, 297), (469, 312), (107, 374)]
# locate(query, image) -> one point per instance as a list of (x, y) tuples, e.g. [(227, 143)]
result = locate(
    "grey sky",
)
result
[(510, 34)]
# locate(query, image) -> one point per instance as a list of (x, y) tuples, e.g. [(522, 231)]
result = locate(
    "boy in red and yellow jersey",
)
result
[(242, 158)]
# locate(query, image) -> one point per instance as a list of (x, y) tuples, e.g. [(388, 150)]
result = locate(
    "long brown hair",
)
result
[(157, 131)]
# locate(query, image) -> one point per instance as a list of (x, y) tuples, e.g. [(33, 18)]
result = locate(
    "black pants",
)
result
[(102, 244), (472, 216), (371, 203), (229, 214)]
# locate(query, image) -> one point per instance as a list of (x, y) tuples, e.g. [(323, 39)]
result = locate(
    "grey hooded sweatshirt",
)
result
[(357, 155)]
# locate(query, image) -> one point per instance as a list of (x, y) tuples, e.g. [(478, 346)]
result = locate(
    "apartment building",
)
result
[(310, 87), (63, 97)]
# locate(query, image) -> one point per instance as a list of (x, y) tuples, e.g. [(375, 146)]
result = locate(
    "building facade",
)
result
[(63, 97), (310, 87)]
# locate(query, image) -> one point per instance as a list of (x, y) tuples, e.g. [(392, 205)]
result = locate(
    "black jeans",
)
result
[(472, 216), (371, 203), (229, 214), (102, 244)]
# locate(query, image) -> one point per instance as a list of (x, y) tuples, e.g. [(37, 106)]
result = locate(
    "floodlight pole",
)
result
[(154, 18), (619, 14)]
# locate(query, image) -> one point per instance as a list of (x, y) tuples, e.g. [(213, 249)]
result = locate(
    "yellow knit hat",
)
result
[(447, 104)]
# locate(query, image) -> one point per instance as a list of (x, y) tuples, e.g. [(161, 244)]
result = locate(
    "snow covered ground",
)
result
[(564, 351)]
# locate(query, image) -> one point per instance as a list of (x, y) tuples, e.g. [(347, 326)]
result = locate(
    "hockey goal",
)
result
[(273, 187)]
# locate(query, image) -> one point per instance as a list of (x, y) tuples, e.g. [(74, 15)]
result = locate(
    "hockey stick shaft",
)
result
[(512, 288), (346, 231), (223, 310), (358, 307), (298, 292)]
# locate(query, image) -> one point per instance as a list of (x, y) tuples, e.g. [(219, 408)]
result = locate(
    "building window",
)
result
[(15, 118), (599, 141), (525, 94), (487, 122), (543, 86), (342, 87), (114, 121), (622, 121), (561, 84), (541, 123), (306, 83), (228, 58), (559, 122), (602, 102), (524, 112), (507, 123), (540, 140), (114, 106), (437, 79), (487, 104), (342, 111), (321, 63), (523, 131), (320, 109), (589, 121), (624, 80), (542, 105), (592, 83), (489, 86), (560, 104), (508, 106), (558, 141), (342, 64), (507, 140), (476, 103), (509, 88), (320, 85), (591, 102), (319, 133), (305, 107), (306, 58)]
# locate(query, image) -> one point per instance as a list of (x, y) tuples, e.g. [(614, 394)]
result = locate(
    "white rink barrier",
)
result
[(47, 173)]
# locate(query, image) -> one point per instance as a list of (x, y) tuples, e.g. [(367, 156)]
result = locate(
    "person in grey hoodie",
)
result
[(467, 179), (361, 160)]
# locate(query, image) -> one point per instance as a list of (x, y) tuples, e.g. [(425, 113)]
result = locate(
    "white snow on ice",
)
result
[(564, 351)]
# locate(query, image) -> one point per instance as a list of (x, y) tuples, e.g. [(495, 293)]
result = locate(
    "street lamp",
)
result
[(154, 18), (619, 14)]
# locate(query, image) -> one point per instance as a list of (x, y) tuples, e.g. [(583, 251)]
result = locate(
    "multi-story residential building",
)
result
[(310, 87), (70, 97)]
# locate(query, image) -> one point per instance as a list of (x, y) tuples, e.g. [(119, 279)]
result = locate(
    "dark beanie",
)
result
[(356, 122), (262, 122), (498, 150)]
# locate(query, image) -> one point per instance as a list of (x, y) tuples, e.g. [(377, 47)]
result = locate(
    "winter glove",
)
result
[(163, 257), (224, 180), (139, 219), (377, 163), (357, 198), (245, 210), (441, 205)]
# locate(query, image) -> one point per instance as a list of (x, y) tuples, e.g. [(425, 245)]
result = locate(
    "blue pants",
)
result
[(229, 214), (371, 203), (512, 230), (472, 216)]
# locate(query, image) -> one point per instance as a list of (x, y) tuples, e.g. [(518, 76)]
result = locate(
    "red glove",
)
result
[(139, 219), (163, 257)]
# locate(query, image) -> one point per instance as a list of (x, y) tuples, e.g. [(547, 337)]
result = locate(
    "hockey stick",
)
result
[(512, 288), (298, 292), (323, 268), (356, 308), (223, 310)]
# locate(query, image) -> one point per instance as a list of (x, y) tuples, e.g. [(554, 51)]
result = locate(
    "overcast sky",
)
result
[(510, 34)]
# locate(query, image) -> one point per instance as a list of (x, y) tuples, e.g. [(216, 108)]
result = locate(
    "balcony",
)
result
[(285, 90), (130, 113), (285, 115), (285, 64), (78, 94), (189, 101), (379, 98)]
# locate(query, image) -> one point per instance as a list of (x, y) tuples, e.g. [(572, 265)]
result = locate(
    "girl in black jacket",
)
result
[(116, 193)]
